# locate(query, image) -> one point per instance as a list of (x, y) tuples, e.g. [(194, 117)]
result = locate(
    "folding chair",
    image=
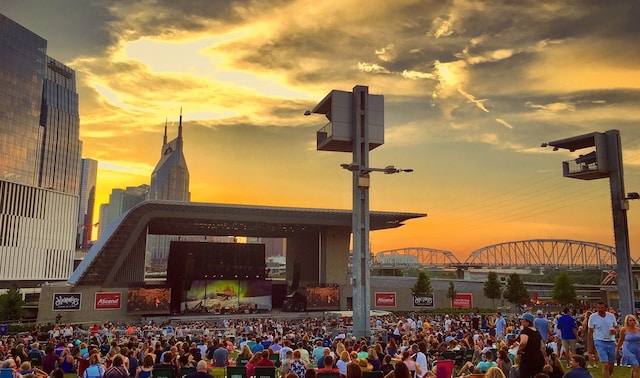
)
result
[(444, 368), (265, 371), (236, 372)]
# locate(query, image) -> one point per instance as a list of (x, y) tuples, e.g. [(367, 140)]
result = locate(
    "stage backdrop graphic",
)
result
[(228, 295), (149, 300), (323, 298)]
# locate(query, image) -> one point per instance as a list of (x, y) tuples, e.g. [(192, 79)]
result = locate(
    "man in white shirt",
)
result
[(419, 357), (602, 337), (447, 323)]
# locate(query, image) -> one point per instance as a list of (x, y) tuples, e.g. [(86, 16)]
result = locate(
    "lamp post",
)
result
[(605, 161), (356, 125)]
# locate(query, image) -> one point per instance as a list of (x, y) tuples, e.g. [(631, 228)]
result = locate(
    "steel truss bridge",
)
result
[(523, 254)]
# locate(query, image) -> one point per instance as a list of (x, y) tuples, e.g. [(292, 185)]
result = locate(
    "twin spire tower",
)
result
[(170, 178)]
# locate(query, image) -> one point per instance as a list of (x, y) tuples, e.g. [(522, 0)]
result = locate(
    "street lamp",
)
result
[(356, 125), (605, 161)]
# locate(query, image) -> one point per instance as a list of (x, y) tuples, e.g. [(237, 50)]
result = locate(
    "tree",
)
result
[(492, 288), (11, 305), (422, 285), (515, 291), (564, 290), (451, 293)]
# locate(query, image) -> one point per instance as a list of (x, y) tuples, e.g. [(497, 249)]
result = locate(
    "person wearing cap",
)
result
[(447, 323), (602, 337), (531, 348), (542, 325)]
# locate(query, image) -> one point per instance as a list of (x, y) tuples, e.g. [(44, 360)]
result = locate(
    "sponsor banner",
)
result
[(427, 300), (108, 301), (67, 301), (462, 300), (385, 299)]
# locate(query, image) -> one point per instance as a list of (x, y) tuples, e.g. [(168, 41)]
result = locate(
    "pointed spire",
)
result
[(179, 141), (164, 141)]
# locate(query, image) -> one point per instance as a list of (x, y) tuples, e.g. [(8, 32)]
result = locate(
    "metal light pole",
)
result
[(606, 161), (356, 125)]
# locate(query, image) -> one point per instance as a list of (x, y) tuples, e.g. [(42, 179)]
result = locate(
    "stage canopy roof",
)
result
[(119, 238)]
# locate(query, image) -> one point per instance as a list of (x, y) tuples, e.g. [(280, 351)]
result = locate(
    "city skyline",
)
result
[(471, 92)]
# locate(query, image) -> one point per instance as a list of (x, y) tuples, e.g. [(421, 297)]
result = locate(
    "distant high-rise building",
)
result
[(121, 200), (88, 176), (170, 178), (169, 181), (40, 164)]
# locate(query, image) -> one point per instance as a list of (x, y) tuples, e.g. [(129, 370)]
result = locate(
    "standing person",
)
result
[(629, 341), (501, 325), (568, 332), (531, 348), (221, 356), (419, 357), (542, 325), (602, 337)]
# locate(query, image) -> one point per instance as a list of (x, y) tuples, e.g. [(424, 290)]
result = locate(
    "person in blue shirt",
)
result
[(568, 332), (577, 364), (501, 326), (542, 325)]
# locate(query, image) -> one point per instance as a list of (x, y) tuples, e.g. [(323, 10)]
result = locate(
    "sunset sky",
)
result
[(471, 89)]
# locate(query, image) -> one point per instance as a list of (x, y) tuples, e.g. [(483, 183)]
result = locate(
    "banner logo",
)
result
[(462, 300), (385, 299), (67, 301), (108, 301), (423, 300)]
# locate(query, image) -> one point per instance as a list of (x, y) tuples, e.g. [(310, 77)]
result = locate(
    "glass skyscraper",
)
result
[(40, 164), (88, 178)]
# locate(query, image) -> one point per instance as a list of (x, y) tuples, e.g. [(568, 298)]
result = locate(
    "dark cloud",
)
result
[(174, 17), (72, 28)]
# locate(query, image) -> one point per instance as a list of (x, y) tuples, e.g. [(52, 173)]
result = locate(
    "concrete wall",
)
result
[(87, 314)]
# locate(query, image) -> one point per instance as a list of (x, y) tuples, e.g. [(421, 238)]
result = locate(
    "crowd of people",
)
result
[(544, 345)]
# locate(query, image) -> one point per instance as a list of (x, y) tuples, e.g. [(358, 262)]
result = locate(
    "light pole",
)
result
[(606, 161), (356, 125)]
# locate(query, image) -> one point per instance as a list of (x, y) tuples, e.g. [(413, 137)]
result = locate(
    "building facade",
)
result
[(88, 177), (170, 182), (120, 201), (170, 178), (40, 166)]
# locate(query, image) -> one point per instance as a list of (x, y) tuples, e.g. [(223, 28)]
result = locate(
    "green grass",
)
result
[(618, 371)]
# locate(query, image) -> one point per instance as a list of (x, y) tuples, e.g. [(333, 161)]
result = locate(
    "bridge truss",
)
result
[(523, 254), (412, 256)]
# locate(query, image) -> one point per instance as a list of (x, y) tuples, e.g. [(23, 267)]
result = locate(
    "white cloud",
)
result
[(371, 68), (552, 107), (504, 123), (387, 53), (472, 100), (417, 75)]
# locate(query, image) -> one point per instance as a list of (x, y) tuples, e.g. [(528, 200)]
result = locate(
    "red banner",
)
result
[(108, 301), (385, 300), (462, 300)]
